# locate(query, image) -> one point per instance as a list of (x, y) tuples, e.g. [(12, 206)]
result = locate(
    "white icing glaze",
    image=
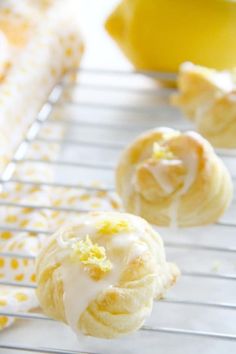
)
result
[(190, 160), (160, 175), (130, 185), (137, 250), (166, 130), (222, 80), (198, 138), (159, 172), (79, 288)]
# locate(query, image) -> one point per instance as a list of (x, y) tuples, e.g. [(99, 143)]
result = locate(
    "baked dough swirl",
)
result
[(173, 179), (101, 274), (208, 97)]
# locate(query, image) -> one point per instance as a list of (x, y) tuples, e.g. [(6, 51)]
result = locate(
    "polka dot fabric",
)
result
[(51, 46), (12, 300)]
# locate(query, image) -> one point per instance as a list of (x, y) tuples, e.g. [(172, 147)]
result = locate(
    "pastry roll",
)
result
[(101, 273), (218, 121), (39, 42), (207, 97), (173, 179)]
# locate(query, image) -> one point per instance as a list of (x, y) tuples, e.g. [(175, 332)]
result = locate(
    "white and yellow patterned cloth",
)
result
[(39, 41)]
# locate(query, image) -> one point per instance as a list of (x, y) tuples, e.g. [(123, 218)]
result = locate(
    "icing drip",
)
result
[(190, 160), (224, 81), (80, 290), (160, 171), (160, 174)]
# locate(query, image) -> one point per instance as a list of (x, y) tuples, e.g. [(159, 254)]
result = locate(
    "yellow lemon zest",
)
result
[(162, 152), (111, 227), (93, 256)]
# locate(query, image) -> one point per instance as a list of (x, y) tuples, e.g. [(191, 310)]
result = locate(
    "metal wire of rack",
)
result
[(130, 119)]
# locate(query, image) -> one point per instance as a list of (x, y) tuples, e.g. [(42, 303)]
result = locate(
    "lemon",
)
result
[(161, 34)]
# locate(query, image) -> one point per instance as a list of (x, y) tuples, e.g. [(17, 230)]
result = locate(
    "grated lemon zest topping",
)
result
[(93, 256), (162, 152), (111, 227)]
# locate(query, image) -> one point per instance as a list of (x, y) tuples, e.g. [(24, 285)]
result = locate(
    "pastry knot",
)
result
[(207, 96), (103, 284), (169, 168), (172, 178)]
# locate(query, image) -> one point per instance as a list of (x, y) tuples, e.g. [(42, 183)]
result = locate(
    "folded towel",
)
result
[(39, 44)]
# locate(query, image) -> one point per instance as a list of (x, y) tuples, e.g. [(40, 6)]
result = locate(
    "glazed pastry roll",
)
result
[(39, 42), (218, 121), (198, 86), (173, 179), (101, 274), (207, 97)]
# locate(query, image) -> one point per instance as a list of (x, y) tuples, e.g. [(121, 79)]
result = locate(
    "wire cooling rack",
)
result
[(102, 112)]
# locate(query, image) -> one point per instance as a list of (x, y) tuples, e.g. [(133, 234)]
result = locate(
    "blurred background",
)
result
[(101, 51)]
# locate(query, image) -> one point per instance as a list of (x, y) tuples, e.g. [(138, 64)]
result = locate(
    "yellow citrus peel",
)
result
[(112, 227), (92, 256), (162, 152)]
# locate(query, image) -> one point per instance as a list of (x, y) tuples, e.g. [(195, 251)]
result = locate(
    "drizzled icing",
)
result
[(129, 187), (222, 80), (188, 159), (160, 176), (79, 288)]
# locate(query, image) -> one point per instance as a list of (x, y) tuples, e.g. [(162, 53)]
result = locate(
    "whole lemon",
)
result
[(161, 34)]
